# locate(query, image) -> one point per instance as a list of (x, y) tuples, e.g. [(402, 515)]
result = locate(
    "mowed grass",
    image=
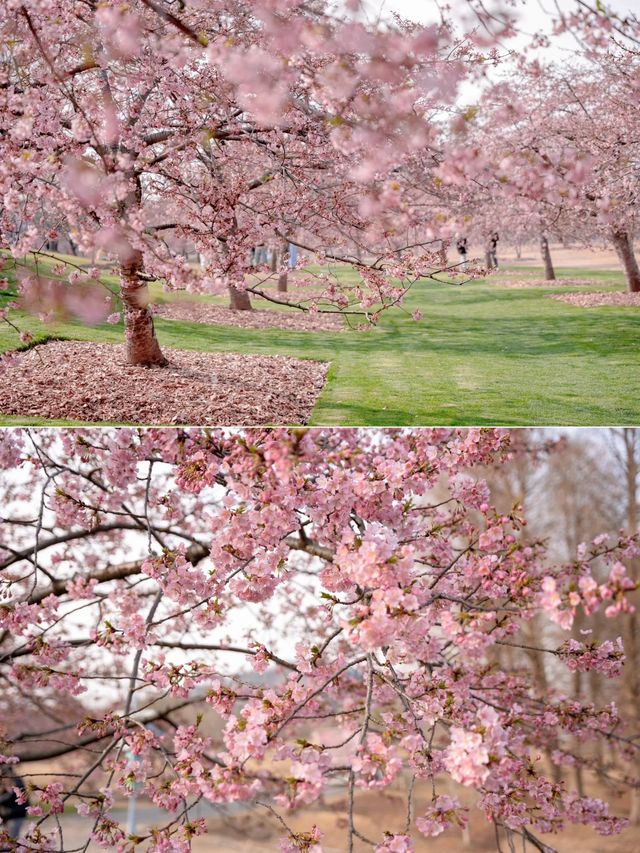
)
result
[(481, 355)]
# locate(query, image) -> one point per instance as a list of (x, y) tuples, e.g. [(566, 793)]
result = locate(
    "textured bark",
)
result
[(578, 774), (283, 282), (141, 344), (239, 299), (624, 249), (283, 278), (631, 623), (549, 272)]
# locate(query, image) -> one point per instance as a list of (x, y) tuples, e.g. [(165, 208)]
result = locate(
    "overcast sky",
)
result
[(533, 15)]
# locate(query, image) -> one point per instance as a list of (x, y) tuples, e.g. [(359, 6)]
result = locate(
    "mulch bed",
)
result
[(217, 315), (596, 300), (92, 382), (559, 282)]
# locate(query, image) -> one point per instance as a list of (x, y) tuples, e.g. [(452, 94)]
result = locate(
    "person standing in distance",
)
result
[(461, 246)]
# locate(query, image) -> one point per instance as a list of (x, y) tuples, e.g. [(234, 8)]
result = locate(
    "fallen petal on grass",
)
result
[(218, 315), (542, 282), (596, 300)]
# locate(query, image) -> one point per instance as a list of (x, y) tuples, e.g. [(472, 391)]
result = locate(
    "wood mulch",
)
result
[(218, 315), (92, 382), (596, 300)]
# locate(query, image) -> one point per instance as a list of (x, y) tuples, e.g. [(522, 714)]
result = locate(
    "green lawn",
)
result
[(481, 355)]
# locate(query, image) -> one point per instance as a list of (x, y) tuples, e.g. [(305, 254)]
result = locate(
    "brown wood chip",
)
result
[(92, 382)]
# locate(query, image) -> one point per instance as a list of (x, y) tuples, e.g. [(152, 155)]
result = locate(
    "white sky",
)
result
[(533, 16)]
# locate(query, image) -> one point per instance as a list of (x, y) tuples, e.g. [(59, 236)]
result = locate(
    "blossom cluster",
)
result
[(376, 587)]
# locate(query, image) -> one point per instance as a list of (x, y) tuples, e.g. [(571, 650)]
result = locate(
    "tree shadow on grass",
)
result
[(590, 336)]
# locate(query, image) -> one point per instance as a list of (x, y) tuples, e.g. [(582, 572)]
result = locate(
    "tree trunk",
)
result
[(631, 623), (283, 278), (274, 260), (141, 344), (624, 249), (541, 684), (577, 692), (549, 272), (239, 299)]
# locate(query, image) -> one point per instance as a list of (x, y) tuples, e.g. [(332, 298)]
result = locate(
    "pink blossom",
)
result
[(302, 842), (606, 658), (371, 611), (442, 813), (466, 757), (395, 844), (375, 764)]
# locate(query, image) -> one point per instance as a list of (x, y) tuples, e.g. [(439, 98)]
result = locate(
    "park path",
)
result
[(563, 256)]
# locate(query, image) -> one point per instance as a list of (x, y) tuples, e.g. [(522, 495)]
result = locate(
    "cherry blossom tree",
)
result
[(558, 143), (612, 45), (548, 147), (227, 125), (338, 598)]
